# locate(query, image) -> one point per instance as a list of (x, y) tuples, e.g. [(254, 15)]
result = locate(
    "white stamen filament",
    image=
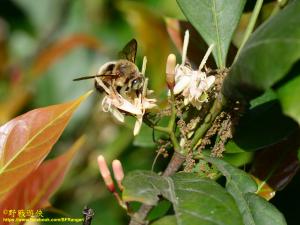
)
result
[(144, 65), (185, 46), (209, 50)]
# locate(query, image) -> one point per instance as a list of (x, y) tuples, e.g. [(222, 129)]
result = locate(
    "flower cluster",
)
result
[(119, 105), (192, 84)]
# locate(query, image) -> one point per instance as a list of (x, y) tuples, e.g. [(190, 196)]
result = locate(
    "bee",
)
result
[(122, 75)]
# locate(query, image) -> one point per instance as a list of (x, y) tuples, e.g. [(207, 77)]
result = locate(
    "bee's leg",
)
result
[(123, 91), (98, 87)]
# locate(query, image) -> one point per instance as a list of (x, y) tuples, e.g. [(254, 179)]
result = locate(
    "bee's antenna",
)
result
[(85, 78), (114, 76)]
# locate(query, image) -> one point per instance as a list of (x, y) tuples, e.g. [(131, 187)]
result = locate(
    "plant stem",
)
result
[(250, 26), (175, 163), (209, 119)]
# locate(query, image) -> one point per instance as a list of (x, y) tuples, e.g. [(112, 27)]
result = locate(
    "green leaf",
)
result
[(238, 159), (255, 210), (232, 148), (203, 201), (263, 212), (144, 138), (289, 97), (195, 200), (145, 187), (215, 21), (267, 56), (159, 210), (166, 220), (262, 126)]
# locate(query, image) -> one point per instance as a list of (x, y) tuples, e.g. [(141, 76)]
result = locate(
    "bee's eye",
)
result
[(136, 83)]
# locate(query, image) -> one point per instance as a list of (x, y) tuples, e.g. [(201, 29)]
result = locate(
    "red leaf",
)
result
[(277, 164), (26, 140), (35, 190)]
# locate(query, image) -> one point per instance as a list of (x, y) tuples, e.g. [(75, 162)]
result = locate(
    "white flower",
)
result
[(117, 104), (192, 84)]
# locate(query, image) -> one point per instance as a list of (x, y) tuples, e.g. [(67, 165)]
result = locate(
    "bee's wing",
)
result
[(129, 51)]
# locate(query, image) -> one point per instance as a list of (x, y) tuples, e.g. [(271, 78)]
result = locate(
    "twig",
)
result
[(88, 214), (209, 119), (174, 164)]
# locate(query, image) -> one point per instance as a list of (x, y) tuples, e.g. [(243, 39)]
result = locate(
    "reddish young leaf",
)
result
[(27, 139), (35, 190), (277, 164)]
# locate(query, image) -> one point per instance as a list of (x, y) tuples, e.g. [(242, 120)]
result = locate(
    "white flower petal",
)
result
[(137, 125), (117, 114), (128, 107), (181, 84), (210, 81), (106, 104)]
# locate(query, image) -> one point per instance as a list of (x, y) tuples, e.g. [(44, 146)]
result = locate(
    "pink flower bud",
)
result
[(170, 71), (118, 172), (105, 173)]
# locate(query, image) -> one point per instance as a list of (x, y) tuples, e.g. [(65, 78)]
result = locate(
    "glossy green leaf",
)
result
[(289, 97), (254, 209), (159, 210), (239, 159), (216, 21), (262, 126), (263, 212), (195, 200), (267, 56)]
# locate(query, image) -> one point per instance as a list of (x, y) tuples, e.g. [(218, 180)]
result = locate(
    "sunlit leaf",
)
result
[(195, 200), (215, 21), (26, 140), (267, 56), (166, 220), (36, 189), (289, 97), (254, 209)]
